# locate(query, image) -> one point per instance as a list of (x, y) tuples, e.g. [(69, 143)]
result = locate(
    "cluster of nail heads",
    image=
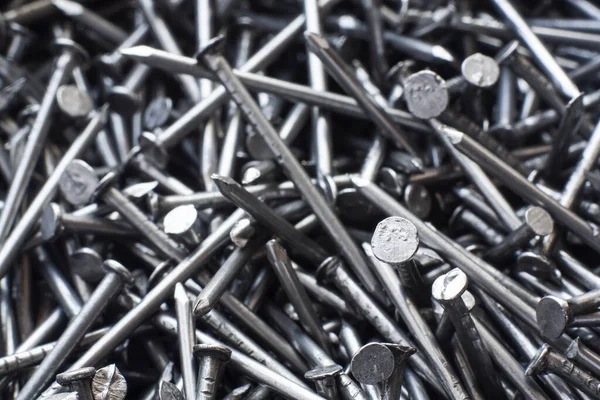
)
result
[(299, 199)]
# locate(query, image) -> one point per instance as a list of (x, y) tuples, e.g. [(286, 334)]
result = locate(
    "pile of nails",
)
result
[(301, 199)]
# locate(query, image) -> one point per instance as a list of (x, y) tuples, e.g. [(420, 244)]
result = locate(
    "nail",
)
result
[(325, 380), (116, 277), (378, 57), (31, 12), (373, 363), (112, 63), (392, 387), (211, 363), (395, 241), (33, 356), (186, 340), (54, 222), (183, 224), (73, 102), (61, 288), (554, 314), (523, 68), (547, 360), (572, 267), (462, 123), (537, 223), (78, 381), (447, 290), (426, 94), (416, 48), (168, 391), (480, 70), (109, 384), (505, 103)]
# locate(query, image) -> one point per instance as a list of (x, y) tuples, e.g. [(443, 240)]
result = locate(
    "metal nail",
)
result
[(78, 381), (211, 362), (109, 384)]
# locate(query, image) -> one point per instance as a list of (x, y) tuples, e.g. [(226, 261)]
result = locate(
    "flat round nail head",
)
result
[(373, 363), (553, 315), (539, 220), (480, 70), (73, 101), (395, 240), (426, 94), (449, 286), (78, 183)]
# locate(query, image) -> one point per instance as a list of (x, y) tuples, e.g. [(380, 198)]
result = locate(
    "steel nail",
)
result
[(497, 201), (78, 381), (168, 391), (537, 223), (183, 223), (395, 242), (569, 126), (109, 384), (554, 314), (373, 363), (392, 387), (325, 380), (548, 360), (211, 363), (447, 290)]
